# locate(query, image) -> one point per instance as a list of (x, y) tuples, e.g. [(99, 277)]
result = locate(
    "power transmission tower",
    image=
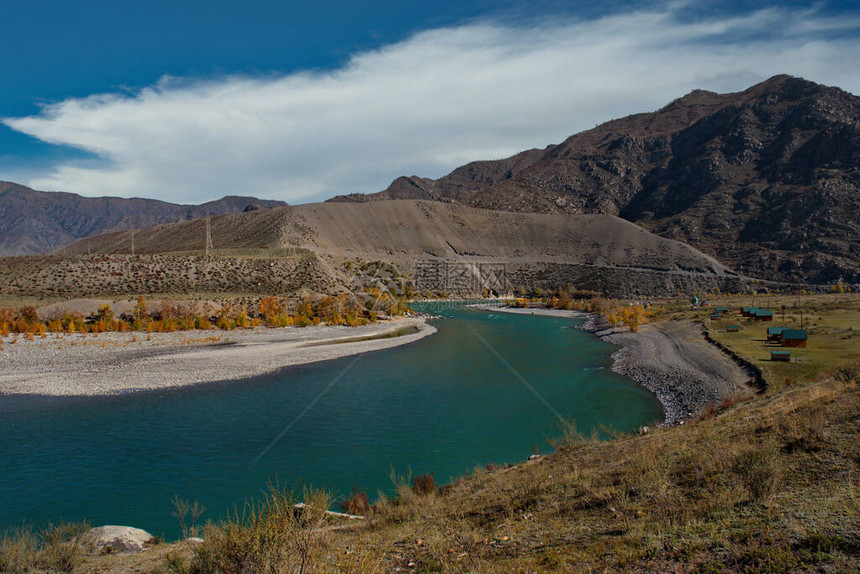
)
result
[(284, 238), (131, 259), (208, 248)]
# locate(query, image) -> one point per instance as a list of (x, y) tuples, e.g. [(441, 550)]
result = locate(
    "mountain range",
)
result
[(767, 180), (38, 221)]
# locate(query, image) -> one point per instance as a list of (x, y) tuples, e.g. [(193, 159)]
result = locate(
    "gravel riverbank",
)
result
[(115, 363), (674, 361)]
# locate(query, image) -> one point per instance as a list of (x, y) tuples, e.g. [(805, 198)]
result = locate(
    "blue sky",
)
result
[(189, 101)]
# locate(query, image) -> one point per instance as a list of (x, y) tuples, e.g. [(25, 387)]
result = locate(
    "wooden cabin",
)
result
[(721, 309), (763, 315), (716, 316), (733, 329), (748, 311), (784, 356), (794, 338), (774, 334)]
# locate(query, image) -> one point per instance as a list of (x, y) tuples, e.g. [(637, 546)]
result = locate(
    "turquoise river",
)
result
[(487, 388)]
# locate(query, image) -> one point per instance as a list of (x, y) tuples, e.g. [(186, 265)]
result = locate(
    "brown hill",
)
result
[(767, 180), (338, 243), (38, 221)]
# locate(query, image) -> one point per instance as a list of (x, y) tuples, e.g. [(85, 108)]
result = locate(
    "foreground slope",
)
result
[(767, 180)]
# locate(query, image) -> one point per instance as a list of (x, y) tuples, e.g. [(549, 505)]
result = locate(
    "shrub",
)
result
[(105, 313), (269, 309), (54, 549), (847, 373), (61, 549), (274, 535), (18, 549), (282, 320), (356, 503), (140, 310), (28, 314), (424, 484), (187, 513), (758, 470)]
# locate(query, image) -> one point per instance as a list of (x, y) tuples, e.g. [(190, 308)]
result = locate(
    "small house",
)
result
[(793, 338), (733, 329), (763, 315), (784, 356), (721, 309), (748, 311), (774, 334), (716, 316)]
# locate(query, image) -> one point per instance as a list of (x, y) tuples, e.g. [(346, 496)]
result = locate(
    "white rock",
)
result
[(120, 539)]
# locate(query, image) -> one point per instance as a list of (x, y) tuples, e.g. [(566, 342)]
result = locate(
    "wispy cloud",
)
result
[(423, 106)]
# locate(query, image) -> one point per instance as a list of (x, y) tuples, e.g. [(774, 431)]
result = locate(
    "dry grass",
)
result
[(53, 549)]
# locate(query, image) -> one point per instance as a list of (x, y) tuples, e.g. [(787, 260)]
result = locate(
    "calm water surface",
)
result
[(444, 404)]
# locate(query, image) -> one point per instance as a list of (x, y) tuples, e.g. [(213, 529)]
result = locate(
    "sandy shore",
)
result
[(115, 363), (675, 362)]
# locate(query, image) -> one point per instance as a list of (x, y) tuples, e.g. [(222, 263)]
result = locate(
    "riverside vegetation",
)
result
[(171, 315), (769, 483)]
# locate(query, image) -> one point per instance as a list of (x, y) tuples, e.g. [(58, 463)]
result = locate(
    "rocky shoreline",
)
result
[(674, 361)]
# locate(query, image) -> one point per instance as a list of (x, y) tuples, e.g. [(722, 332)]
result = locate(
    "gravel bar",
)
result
[(114, 363), (674, 361)]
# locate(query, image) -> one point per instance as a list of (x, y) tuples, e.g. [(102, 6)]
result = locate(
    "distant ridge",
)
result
[(767, 180), (39, 221)]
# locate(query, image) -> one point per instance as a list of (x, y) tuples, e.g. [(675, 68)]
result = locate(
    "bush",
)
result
[(187, 513), (54, 549), (357, 503), (758, 470), (424, 484), (28, 314), (274, 535), (847, 373)]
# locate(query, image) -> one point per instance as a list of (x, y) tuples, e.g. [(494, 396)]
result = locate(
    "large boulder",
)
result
[(118, 539)]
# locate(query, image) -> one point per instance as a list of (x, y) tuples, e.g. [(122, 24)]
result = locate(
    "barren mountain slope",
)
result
[(38, 221), (330, 247), (767, 180), (405, 230)]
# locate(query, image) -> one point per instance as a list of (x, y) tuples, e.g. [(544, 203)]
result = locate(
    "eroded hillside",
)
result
[(327, 248)]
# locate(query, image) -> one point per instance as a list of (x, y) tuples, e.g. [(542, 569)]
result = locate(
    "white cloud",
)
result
[(423, 106)]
